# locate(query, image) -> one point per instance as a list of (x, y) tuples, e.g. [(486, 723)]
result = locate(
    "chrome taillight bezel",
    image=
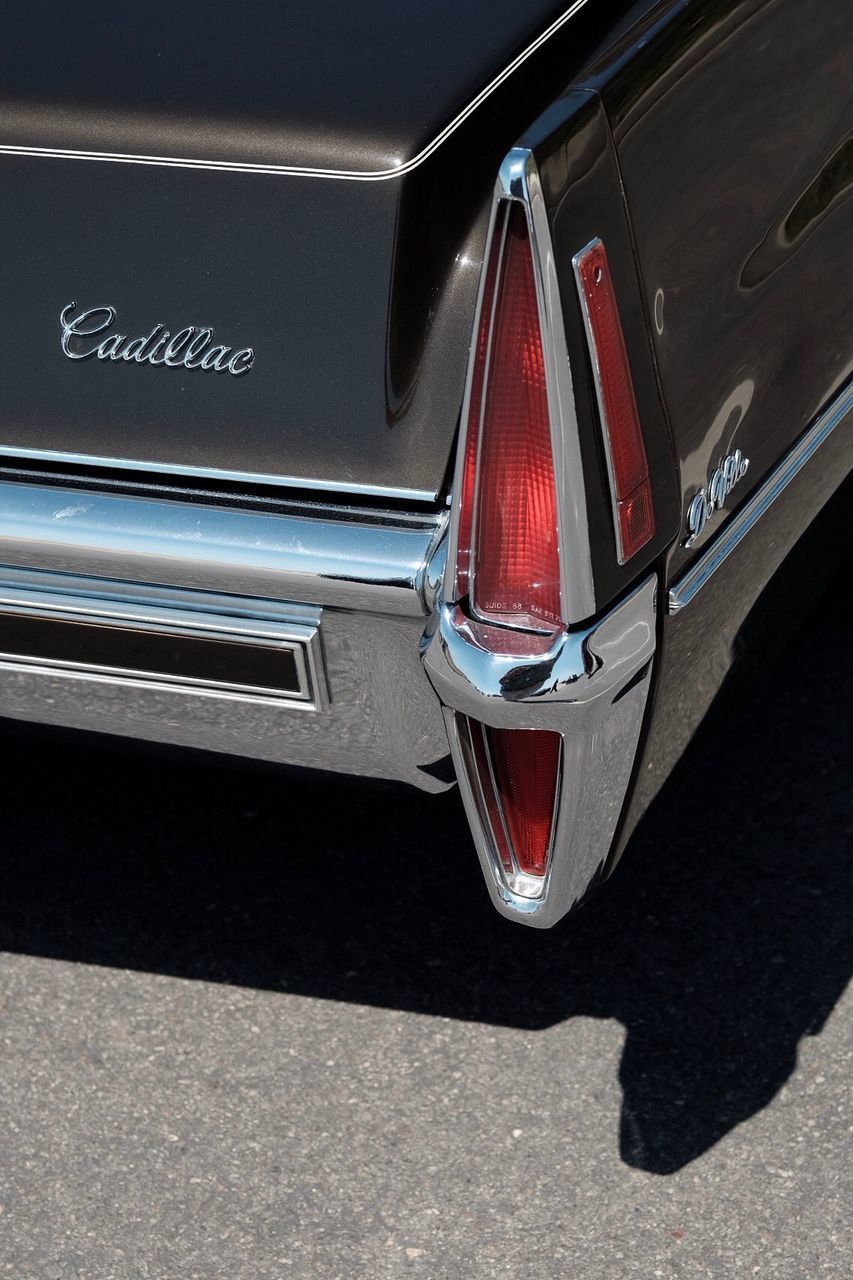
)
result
[(586, 681)]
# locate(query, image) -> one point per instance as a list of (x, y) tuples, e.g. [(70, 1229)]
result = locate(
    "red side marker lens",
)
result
[(526, 770), (629, 470)]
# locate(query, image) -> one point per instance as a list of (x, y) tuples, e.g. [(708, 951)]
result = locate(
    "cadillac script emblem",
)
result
[(85, 335), (710, 499)]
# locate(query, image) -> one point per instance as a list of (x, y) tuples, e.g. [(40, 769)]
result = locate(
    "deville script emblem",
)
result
[(189, 348), (710, 499)]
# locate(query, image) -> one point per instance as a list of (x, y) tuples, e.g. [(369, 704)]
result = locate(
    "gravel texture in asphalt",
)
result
[(255, 1027)]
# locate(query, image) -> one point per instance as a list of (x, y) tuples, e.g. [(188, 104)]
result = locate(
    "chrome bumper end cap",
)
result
[(591, 686)]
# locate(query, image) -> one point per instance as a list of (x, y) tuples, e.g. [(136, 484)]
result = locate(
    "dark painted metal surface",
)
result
[(357, 297), (733, 126), (581, 186), (764, 588), (298, 271), (359, 87)]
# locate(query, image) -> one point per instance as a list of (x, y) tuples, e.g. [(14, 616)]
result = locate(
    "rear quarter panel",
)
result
[(732, 124), (734, 131)]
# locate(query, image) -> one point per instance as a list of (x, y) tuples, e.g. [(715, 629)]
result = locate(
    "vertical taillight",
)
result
[(508, 561), (508, 550), (634, 517), (508, 556), (519, 648)]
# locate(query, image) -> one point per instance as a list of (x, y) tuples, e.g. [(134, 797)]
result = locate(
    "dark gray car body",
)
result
[(315, 183)]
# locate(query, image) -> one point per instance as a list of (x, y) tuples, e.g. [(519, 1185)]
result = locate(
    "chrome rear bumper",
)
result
[(349, 592), (319, 640)]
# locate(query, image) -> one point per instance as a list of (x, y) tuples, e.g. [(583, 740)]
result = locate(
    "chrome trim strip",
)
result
[(518, 180), (353, 175), (122, 678), (64, 596), (374, 567), (498, 227), (215, 474), (733, 533)]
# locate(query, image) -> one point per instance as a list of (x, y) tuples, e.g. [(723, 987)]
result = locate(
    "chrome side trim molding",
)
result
[(732, 534), (216, 475), (591, 687), (373, 567), (352, 175)]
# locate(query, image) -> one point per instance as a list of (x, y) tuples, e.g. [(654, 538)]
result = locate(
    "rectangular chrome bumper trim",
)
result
[(732, 534), (179, 642)]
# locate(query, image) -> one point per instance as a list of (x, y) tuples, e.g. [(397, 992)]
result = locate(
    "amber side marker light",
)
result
[(630, 486), (508, 554)]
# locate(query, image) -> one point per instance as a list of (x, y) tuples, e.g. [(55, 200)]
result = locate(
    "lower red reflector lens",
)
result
[(526, 765)]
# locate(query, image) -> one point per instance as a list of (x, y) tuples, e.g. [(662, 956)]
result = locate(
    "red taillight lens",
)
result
[(508, 557), (517, 777), (525, 763), (629, 470)]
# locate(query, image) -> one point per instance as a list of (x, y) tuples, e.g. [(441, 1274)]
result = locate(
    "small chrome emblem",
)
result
[(189, 348), (731, 469)]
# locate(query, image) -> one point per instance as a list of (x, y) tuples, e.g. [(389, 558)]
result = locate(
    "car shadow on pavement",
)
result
[(722, 940)]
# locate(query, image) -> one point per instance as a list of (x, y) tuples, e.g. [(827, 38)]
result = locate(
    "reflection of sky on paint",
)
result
[(720, 438), (298, 551)]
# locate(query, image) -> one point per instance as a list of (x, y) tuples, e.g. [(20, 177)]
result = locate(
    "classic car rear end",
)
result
[(377, 399)]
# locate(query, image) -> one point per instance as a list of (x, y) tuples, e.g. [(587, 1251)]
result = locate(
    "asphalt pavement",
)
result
[(255, 1027)]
